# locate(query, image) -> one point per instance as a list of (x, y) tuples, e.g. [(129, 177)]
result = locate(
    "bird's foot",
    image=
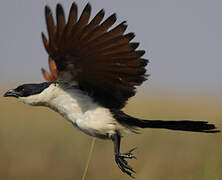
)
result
[(123, 164)]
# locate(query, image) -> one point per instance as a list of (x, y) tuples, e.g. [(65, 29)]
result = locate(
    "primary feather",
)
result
[(103, 61)]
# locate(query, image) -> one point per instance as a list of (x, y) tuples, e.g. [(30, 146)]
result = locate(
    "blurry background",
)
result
[(183, 42)]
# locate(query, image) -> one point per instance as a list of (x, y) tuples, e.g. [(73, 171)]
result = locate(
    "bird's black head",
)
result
[(26, 90)]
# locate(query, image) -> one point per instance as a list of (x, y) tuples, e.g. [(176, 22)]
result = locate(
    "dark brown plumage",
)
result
[(102, 60)]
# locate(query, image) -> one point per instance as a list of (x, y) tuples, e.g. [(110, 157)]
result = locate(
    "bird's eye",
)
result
[(22, 91)]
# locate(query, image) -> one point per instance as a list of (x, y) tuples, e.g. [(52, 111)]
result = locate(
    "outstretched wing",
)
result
[(101, 60)]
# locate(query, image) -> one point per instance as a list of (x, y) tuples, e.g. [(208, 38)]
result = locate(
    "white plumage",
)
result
[(78, 108)]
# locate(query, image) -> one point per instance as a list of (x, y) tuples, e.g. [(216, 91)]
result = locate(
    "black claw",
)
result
[(123, 168), (132, 150), (123, 164), (129, 154), (120, 157)]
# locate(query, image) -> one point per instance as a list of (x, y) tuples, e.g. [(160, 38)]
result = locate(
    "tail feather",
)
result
[(181, 125)]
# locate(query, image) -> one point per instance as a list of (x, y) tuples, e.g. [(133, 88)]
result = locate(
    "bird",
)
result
[(94, 69)]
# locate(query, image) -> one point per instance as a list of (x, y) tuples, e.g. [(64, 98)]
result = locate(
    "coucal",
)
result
[(94, 71)]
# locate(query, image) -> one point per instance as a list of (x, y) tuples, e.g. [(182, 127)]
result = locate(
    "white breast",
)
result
[(85, 114)]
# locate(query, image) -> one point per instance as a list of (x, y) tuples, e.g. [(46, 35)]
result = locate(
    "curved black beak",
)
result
[(12, 93)]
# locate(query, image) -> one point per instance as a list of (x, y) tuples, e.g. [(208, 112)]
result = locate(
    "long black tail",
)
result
[(182, 125)]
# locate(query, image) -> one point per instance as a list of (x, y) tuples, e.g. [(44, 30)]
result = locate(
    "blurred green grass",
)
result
[(37, 143)]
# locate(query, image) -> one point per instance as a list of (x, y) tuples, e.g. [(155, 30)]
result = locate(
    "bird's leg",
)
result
[(120, 157)]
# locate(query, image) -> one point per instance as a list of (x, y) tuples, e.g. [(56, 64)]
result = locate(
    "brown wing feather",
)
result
[(92, 25), (61, 21), (104, 62), (53, 75), (72, 19), (82, 22), (51, 28)]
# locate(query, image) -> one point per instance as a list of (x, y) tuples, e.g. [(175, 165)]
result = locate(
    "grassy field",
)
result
[(36, 143)]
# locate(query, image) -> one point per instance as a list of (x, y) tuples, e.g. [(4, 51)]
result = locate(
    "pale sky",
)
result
[(182, 39)]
